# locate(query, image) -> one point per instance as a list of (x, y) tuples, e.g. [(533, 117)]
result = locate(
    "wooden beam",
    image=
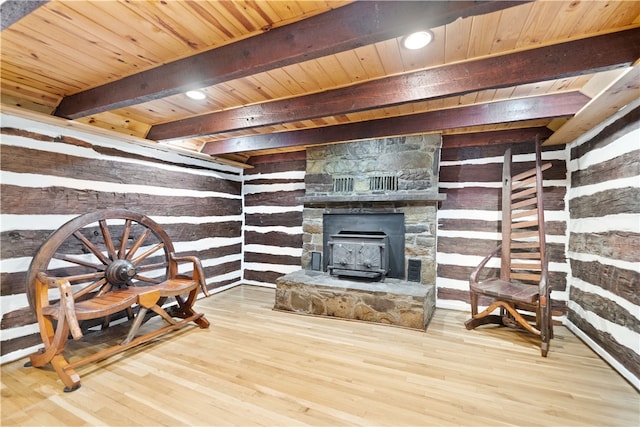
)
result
[(562, 60), (346, 28), (500, 137), (621, 92), (564, 104)]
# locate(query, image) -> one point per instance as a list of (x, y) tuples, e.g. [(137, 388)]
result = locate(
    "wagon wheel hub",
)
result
[(120, 272)]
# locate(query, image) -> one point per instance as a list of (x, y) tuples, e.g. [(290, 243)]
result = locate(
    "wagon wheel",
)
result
[(99, 251)]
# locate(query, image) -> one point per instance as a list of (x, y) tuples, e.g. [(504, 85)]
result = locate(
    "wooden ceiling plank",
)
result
[(342, 29), (547, 106), (544, 63)]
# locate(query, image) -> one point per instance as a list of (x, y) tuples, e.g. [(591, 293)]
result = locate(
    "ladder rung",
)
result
[(523, 193), (523, 175), (520, 184), (528, 202), (530, 172), (523, 224), (524, 235), (525, 255), (523, 214), (525, 245)]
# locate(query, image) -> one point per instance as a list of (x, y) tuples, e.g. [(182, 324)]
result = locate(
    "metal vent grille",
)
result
[(383, 183), (343, 184)]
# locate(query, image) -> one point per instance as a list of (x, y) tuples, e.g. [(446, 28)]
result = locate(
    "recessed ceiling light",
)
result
[(417, 40), (195, 94)]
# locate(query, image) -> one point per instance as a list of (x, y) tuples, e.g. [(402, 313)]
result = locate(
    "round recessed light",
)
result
[(418, 40), (195, 94)]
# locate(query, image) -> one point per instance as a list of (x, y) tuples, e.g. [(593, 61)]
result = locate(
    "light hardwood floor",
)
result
[(256, 366)]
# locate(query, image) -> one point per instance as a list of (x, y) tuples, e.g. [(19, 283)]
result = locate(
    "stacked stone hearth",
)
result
[(383, 176)]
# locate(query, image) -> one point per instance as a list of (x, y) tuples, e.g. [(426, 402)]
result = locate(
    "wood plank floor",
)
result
[(256, 366)]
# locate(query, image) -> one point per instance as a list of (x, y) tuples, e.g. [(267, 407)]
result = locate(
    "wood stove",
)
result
[(359, 254), (364, 245)]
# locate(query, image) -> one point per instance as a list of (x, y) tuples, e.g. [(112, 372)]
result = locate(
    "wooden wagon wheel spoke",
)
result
[(138, 243), (147, 279), (67, 258), (82, 277), (150, 267), (111, 250), (91, 247), (123, 241), (145, 255), (91, 288)]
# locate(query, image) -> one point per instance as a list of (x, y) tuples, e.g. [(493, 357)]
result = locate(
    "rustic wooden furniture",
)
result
[(522, 286), (101, 264)]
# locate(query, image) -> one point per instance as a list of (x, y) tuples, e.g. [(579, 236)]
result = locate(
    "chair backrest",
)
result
[(523, 232)]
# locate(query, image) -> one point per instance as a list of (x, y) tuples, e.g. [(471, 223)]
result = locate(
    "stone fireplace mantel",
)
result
[(414, 196)]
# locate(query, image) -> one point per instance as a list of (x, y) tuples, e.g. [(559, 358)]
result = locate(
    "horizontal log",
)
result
[(492, 172), (619, 281), (483, 247), (261, 258), (625, 166), (552, 228), (69, 201), (262, 276), (19, 317), (19, 343), (25, 160), (281, 198), (483, 198), (606, 202), (283, 219), (606, 309), (273, 238), (107, 151), (617, 245), (222, 269), (624, 355)]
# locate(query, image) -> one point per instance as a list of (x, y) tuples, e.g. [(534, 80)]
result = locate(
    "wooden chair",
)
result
[(522, 285), (102, 264)]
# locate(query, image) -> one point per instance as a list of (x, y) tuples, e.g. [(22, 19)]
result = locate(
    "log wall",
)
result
[(51, 174), (604, 242), (273, 217), (469, 219)]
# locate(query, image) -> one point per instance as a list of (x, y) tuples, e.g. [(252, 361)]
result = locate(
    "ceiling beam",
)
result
[(557, 105), (557, 61), (342, 29), (498, 137)]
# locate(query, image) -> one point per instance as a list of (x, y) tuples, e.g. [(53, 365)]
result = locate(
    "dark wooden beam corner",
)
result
[(540, 107), (345, 28), (562, 60)]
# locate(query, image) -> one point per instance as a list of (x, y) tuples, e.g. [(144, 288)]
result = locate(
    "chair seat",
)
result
[(517, 292)]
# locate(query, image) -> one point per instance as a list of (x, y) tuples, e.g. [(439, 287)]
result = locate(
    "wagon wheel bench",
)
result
[(100, 264)]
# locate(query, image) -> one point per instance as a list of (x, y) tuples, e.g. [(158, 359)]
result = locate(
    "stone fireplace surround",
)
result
[(410, 164)]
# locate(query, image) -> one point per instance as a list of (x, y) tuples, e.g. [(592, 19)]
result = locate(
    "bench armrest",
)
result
[(67, 302), (198, 271)]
